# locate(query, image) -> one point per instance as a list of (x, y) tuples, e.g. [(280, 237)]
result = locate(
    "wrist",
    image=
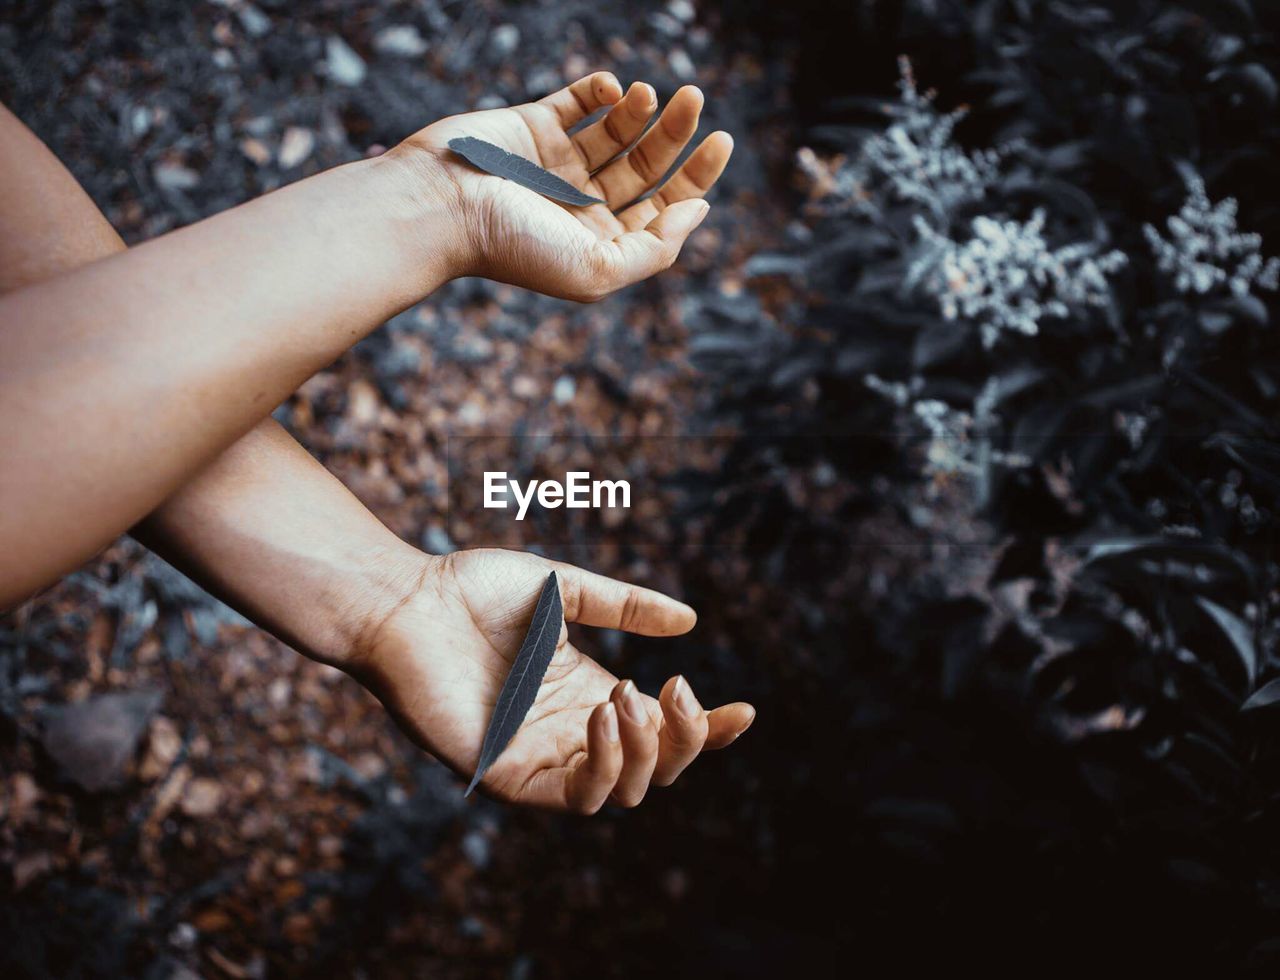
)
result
[(384, 581), (440, 229)]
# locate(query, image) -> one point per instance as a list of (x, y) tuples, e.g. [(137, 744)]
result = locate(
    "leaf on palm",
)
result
[(521, 686), (497, 161)]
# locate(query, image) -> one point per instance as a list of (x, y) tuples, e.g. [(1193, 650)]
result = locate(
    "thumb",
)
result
[(640, 254), (595, 600)]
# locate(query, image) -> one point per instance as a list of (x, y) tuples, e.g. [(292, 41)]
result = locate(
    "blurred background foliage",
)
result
[(992, 543)]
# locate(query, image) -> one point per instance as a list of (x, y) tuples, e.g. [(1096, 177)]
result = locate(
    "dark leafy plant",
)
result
[(1047, 362)]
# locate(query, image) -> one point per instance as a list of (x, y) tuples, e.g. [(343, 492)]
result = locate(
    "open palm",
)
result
[(584, 253), (440, 660)]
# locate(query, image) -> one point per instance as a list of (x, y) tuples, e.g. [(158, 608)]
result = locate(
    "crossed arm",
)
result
[(142, 379)]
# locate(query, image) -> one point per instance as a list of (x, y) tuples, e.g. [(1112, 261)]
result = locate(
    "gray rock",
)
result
[(93, 741), (475, 846), (175, 177), (504, 39), (564, 390), (344, 66), (253, 20), (295, 146), (541, 81), (681, 64), (401, 41)]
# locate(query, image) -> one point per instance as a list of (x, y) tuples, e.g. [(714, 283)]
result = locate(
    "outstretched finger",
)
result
[(684, 730), (649, 160), (576, 101), (639, 745), (726, 723), (590, 783), (595, 600), (694, 179), (606, 138)]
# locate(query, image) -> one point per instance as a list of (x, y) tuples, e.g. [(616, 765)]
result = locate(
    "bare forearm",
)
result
[(265, 526), (272, 533), (121, 378)]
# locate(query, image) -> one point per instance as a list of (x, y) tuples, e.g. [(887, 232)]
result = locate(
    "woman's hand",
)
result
[(520, 237), (439, 659)]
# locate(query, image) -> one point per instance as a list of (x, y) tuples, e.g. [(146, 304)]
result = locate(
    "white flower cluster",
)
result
[(914, 159), (957, 440), (1007, 278), (950, 450), (1205, 250)]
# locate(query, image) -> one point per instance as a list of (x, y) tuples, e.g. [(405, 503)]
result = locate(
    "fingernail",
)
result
[(634, 706), (685, 700), (610, 718), (702, 213), (748, 723)]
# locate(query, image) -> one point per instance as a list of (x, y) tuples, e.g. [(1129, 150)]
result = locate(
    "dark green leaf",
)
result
[(521, 686), (497, 161), (1237, 631), (1265, 696)]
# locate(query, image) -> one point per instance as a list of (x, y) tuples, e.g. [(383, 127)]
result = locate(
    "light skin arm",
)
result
[(231, 526), (131, 373), (272, 532)]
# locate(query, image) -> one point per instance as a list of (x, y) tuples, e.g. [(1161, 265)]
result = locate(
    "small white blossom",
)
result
[(1205, 251), (915, 158), (1007, 278), (950, 450), (958, 440), (895, 391)]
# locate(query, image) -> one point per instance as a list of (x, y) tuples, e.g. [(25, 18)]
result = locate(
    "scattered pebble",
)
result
[(666, 24), (504, 39), (400, 41), (470, 414), (139, 121), (343, 65), (255, 150), (681, 64), (202, 798), (474, 349), (183, 936), (475, 845), (93, 741), (681, 10), (253, 20), (541, 81), (564, 390), (296, 146), (362, 402), (279, 692), (24, 794), (164, 742), (260, 126), (30, 867)]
